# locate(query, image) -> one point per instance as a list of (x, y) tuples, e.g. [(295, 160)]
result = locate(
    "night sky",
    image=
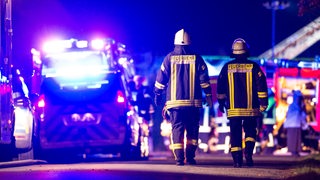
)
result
[(149, 26)]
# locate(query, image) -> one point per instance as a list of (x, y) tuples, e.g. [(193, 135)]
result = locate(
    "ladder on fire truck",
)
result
[(298, 42)]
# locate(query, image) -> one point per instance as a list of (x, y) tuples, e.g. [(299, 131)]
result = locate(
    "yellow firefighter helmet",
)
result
[(240, 46), (182, 38)]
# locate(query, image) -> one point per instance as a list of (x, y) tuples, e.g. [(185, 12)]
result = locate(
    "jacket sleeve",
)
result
[(222, 86), (204, 76), (262, 88)]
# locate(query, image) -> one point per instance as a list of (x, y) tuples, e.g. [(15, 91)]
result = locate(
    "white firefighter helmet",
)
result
[(182, 38), (240, 46)]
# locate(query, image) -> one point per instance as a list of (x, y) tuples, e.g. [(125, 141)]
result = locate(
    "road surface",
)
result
[(162, 166)]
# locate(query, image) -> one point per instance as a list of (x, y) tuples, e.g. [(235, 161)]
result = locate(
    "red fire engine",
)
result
[(305, 76)]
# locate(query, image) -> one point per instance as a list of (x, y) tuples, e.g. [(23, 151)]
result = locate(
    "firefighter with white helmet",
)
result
[(242, 91), (182, 38), (183, 75)]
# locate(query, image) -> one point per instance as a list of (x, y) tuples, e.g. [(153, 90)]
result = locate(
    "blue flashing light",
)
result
[(313, 65), (57, 45), (275, 61), (262, 61), (82, 44), (98, 44)]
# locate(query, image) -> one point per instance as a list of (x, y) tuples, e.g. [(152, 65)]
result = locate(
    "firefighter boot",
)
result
[(248, 151), (190, 154), (179, 156), (237, 159)]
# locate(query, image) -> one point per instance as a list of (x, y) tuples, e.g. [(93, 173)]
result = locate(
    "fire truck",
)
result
[(304, 76), (83, 100), (288, 74)]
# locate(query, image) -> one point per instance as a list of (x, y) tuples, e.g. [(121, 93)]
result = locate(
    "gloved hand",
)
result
[(158, 99), (262, 108), (209, 100), (221, 108), (165, 114)]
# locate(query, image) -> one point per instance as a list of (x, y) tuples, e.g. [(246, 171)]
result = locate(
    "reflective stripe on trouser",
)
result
[(185, 120), (250, 130), (237, 155), (249, 125), (178, 151), (191, 148)]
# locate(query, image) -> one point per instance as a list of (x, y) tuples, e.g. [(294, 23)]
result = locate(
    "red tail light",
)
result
[(120, 97), (41, 102)]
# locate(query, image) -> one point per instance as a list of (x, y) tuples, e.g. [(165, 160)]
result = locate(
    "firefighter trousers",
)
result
[(248, 125), (184, 120)]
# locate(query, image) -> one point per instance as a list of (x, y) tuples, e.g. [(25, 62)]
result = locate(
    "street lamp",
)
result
[(274, 5)]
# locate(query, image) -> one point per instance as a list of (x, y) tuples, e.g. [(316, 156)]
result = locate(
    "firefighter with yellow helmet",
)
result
[(242, 91), (183, 75)]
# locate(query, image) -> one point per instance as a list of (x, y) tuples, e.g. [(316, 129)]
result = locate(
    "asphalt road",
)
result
[(162, 166)]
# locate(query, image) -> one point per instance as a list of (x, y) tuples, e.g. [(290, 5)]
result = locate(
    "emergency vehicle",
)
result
[(303, 76), (84, 98), (6, 102), (289, 74), (17, 120)]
